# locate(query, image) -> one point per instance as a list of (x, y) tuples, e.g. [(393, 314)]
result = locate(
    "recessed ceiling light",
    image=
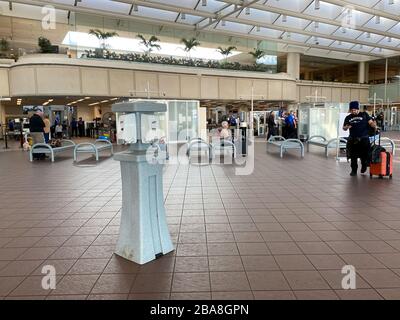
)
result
[(317, 5)]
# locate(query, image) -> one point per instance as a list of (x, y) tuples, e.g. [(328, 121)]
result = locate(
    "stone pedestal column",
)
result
[(144, 234)]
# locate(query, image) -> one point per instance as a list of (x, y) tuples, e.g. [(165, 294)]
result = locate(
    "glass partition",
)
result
[(320, 119), (178, 125)]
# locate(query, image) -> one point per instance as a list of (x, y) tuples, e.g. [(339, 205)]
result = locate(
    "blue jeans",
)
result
[(46, 137)]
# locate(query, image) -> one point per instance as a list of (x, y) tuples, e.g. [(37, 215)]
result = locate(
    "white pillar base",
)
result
[(144, 234)]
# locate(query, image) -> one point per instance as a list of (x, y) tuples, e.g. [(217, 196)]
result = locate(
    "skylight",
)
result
[(84, 41)]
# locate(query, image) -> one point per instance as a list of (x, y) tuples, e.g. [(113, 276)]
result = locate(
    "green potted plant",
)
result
[(190, 44), (4, 47), (226, 52), (257, 54), (46, 46), (103, 36), (149, 44)]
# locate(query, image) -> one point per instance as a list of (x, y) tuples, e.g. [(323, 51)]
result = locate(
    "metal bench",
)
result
[(285, 144), (98, 146), (223, 147), (199, 145), (385, 142), (321, 141), (47, 149)]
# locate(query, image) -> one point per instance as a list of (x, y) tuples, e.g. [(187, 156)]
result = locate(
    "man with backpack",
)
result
[(358, 145)]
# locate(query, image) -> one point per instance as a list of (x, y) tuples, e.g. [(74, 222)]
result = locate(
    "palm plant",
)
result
[(102, 36), (226, 52), (149, 44), (190, 44), (45, 45), (257, 54)]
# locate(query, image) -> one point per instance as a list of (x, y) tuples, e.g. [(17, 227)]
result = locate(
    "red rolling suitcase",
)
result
[(381, 162), (384, 168)]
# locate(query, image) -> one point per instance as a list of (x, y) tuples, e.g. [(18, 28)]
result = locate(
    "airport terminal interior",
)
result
[(199, 150)]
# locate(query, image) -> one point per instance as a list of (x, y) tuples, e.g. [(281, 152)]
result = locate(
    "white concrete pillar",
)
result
[(293, 65), (361, 72)]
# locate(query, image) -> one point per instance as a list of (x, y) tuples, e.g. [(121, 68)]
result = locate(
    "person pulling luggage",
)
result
[(358, 145)]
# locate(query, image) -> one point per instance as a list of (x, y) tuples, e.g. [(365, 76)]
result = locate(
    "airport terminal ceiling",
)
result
[(349, 30)]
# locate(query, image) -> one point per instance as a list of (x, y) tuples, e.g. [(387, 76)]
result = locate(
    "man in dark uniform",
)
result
[(81, 127), (36, 129), (358, 145)]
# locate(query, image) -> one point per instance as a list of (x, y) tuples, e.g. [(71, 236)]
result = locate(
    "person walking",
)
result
[(358, 143)]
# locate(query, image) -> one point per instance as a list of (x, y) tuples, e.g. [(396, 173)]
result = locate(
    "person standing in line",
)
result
[(81, 127), (47, 128), (271, 125), (225, 133), (36, 130), (59, 131), (290, 125), (74, 126), (358, 144)]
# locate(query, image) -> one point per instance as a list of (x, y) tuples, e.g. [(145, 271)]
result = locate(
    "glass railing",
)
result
[(392, 91)]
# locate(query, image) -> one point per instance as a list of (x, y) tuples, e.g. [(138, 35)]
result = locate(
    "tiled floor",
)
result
[(284, 232)]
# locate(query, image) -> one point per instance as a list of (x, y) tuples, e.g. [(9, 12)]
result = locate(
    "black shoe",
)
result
[(353, 173), (364, 169)]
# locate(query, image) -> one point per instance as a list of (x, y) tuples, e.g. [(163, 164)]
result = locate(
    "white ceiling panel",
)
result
[(295, 5), (347, 33), (342, 45), (383, 25), (321, 28), (326, 10), (292, 22), (258, 16), (319, 41), (106, 5)]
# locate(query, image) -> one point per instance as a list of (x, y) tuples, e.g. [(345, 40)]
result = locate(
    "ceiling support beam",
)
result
[(295, 14), (364, 9), (185, 26)]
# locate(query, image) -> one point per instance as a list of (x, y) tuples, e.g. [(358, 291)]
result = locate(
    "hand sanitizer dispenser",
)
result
[(143, 234)]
